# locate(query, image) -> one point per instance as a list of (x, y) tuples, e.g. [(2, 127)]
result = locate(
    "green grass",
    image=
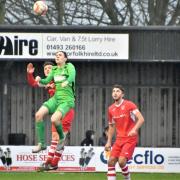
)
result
[(82, 176)]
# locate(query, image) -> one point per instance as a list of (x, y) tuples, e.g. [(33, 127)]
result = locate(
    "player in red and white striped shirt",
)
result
[(124, 118)]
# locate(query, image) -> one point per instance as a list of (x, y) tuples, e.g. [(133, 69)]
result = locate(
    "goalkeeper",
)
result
[(63, 100)]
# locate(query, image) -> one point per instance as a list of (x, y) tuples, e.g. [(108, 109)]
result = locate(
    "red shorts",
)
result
[(124, 147), (66, 121)]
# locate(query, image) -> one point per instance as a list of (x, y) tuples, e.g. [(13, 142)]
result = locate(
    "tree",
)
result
[(2, 11), (94, 12)]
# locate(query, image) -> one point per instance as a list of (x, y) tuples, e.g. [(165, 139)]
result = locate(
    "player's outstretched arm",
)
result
[(48, 79), (30, 76)]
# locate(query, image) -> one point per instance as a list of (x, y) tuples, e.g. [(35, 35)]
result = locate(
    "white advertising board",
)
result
[(81, 46), (93, 159)]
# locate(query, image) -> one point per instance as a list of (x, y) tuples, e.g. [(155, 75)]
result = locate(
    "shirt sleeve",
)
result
[(132, 107), (48, 79), (133, 110), (31, 80), (72, 73)]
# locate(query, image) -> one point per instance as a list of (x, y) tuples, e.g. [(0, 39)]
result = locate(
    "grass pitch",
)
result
[(82, 176)]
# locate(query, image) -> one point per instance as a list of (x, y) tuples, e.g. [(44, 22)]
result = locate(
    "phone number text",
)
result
[(66, 47)]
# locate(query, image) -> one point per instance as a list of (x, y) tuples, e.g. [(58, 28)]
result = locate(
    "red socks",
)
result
[(51, 152)]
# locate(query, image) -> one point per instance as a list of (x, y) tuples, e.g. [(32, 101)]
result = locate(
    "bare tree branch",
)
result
[(160, 11), (175, 14), (93, 12), (108, 7), (2, 11)]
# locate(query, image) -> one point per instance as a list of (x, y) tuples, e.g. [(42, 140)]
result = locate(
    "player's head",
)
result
[(117, 92), (61, 57), (47, 67)]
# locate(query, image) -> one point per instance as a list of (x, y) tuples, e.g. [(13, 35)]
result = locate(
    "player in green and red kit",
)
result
[(125, 119), (54, 152), (63, 100)]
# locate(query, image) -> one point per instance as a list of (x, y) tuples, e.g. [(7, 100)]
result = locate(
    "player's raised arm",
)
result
[(30, 76)]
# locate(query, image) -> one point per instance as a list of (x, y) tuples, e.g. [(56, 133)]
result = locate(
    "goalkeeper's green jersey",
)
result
[(60, 75)]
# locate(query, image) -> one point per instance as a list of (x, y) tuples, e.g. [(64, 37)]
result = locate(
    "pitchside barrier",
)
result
[(90, 159)]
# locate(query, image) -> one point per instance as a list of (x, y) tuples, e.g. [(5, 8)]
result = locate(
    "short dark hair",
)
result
[(65, 54), (119, 87), (48, 63)]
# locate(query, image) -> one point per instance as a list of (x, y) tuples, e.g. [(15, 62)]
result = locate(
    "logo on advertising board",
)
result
[(104, 156), (17, 46), (147, 157), (85, 158), (6, 159), (21, 45)]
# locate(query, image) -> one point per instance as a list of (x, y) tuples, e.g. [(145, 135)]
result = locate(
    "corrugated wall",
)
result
[(155, 45), (154, 87)]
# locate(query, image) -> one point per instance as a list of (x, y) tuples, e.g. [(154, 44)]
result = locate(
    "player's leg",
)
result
[(113, 159), (111, 174), (57, 154), (54, 142), (124, 167), (66, 124), (126, 153), (56, 118), (40, 129), (48, 107), (53, 146), (52, 149)]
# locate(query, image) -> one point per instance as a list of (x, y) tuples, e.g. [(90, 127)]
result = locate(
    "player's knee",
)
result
[(53, 120), (122, 162), (111, 162), (55, 136), (38, 116)]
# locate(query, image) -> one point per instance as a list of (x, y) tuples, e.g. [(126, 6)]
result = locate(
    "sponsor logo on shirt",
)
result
[(59, 78), (120, 116), (122, 107)]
